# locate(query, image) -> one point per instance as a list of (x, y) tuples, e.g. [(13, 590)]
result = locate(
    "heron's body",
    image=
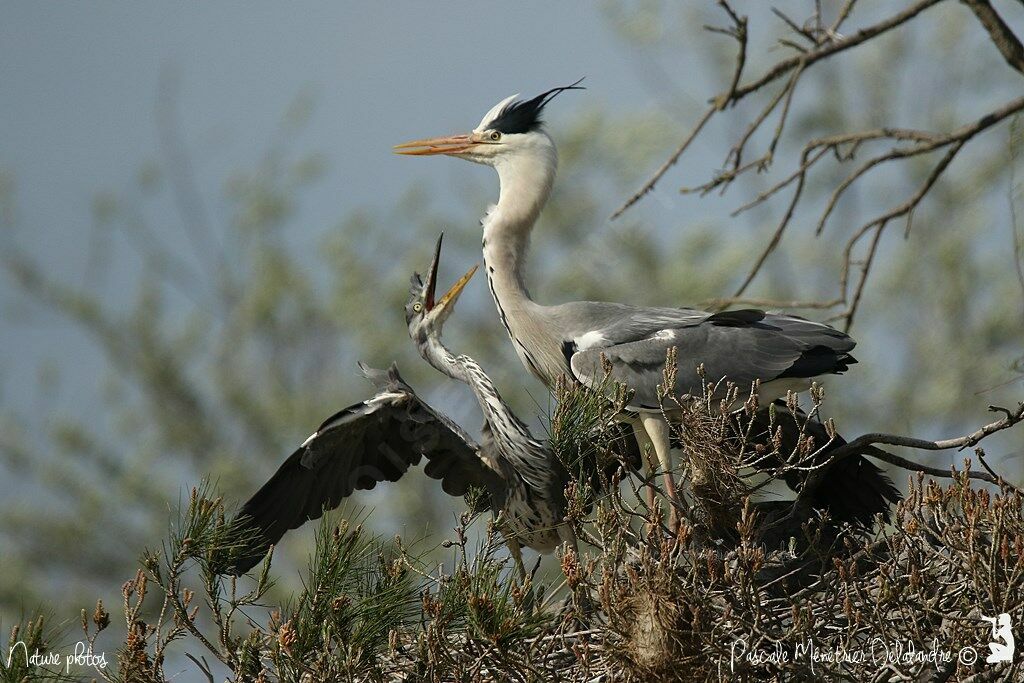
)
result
[(783, 352), (580, 339), (531, 504)]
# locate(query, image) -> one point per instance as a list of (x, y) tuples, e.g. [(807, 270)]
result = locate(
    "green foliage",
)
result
[(357, 594)]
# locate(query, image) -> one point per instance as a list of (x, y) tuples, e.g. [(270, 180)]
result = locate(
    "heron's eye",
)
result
[(417, 307), (495, 135)]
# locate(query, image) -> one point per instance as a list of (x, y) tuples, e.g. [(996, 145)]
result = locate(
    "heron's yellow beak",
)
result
[(452, 295), (452, 144)]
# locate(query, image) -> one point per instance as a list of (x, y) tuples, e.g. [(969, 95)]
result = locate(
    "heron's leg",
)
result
[(657, 429), (568, 538), (517, 557), (648, 453)]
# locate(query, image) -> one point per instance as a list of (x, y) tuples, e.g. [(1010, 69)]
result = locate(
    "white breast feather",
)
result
[(590, 340)]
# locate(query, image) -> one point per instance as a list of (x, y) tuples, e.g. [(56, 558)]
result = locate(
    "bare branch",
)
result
[(864, 270), (1002, 36), (987, 476), (1009, 419), (815, 150), (739, 32), (796, 28), (825, 42), (843, 15), (733, 94), (649, 185), (777, 235), (878, 225), (829, 49)]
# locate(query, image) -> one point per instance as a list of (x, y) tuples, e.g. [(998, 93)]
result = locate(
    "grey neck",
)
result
[(468, 371), (441, 359), (530, 459), (525, 184)]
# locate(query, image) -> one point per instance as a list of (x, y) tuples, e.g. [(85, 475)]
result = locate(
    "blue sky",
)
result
[(80, 84)]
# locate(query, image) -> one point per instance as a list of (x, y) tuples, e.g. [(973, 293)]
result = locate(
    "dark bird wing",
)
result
[(853, 490), (376, 440), (741, 346)]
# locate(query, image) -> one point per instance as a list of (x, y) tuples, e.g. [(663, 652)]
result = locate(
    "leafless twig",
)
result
[(735, 93), (1009, 419), (815, 43), (1002, 36)]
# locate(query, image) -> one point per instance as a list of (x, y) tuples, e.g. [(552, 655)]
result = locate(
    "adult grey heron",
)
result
[(380, 438), (578, 339)]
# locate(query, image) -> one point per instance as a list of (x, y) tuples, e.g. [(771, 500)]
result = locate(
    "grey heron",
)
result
[(379, 439), (577, 339)]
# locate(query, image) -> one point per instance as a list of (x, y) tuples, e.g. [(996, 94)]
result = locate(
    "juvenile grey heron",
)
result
[(782, 352), (532, 501), (380, 438)]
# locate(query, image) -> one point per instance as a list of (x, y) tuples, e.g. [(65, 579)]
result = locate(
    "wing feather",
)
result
[(373, 441), (740, 346)]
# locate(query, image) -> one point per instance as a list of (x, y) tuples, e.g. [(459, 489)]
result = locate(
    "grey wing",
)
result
[(740, 346), (366, 443)]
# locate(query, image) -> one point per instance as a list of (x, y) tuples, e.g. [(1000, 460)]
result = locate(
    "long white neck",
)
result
[(526, 180)]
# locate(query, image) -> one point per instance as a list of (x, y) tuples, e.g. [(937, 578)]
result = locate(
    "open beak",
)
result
[(452, 295), (432, 274), (453, 144)]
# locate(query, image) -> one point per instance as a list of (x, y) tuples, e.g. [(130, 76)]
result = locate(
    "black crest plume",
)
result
[(416, 284), (522, 117)]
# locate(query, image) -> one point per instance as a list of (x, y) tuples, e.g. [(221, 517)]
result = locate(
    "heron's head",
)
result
[(424, 313), (511, 129)]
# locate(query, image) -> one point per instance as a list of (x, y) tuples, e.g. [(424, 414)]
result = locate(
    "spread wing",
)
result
[(373, 441), (853, 489), (740, 346)]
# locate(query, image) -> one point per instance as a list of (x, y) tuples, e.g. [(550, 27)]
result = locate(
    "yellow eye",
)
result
[(417, 307), (495, 135)]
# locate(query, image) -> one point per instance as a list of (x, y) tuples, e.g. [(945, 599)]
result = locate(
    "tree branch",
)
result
[(1010, 419), (1002, 36), (817, 43), (831, 45), (834, 47), (912, 466), (649, 185)]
